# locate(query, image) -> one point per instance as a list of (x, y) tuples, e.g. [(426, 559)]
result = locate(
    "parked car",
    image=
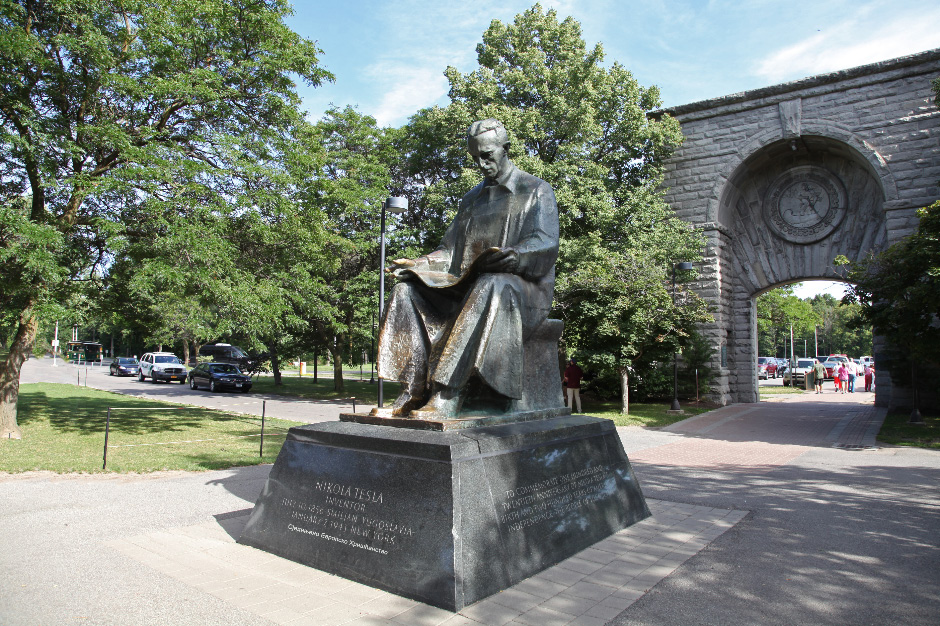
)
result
[(831, 365), (218, 376), (123, 366), (159, 366), (766, 367), (797, 377)]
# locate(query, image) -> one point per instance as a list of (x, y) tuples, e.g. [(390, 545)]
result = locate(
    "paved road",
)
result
[(834, 531), (305, 411)]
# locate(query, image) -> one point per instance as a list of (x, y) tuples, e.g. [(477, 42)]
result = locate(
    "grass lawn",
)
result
[(896, 430), (63, 431), (770, 392), (650, 415)]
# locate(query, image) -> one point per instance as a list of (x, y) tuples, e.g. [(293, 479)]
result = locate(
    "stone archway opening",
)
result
[(790, 209), (821, 324)]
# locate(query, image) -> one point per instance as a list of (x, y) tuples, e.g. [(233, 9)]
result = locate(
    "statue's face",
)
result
[(489, 155)]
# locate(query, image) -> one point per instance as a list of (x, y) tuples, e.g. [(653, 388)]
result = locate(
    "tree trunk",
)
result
[(196, 348), (10, 374), (185, 353), (337, 352), (624, 392), (276, 368)]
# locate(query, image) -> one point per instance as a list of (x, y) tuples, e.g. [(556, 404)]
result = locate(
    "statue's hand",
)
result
[(398, 265), (504, 261)]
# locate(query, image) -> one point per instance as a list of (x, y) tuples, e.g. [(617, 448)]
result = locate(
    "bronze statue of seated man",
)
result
[(458, 317)]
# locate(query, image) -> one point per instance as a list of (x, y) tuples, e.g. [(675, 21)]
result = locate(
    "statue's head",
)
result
[(488, 144)]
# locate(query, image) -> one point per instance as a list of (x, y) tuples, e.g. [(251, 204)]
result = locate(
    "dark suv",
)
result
[(227, 353)]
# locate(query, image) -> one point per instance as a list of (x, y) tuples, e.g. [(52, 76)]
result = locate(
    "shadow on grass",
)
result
[(898, 430), (646, 414), (63, 431), (76, 409)]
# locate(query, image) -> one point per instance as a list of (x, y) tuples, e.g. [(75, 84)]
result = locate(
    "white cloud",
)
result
[(419, 42), (406, 88), (854, 42)]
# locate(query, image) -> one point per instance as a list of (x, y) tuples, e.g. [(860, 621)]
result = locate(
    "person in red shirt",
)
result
[(573, 376)]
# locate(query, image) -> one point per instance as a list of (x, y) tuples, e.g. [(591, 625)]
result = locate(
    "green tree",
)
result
[(109, 108), (898, 291), (842, 329), (583, 127), (778, 310), (349, 187)]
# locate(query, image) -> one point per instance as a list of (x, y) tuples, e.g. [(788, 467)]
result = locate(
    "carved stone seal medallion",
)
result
[(805, 204)]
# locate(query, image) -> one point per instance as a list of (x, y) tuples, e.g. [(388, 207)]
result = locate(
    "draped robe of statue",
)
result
[(447, 321)]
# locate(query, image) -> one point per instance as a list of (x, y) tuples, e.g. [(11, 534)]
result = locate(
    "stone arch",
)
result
[(875, 128), (820, 128), (762, 257)]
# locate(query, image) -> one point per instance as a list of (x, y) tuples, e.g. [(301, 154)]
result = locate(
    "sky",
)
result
[(389, 56)]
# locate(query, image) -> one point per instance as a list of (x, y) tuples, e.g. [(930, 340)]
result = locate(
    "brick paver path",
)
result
[(768, 434)]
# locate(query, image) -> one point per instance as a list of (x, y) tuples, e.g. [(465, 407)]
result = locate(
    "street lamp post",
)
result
[(55, 344), (393, 205), (372, 368), (685, 266)]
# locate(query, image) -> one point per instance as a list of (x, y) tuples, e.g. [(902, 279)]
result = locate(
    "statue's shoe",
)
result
[(405, 403), (402, 406), (438, 407)]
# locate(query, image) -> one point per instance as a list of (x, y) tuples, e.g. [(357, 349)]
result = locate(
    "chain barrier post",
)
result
[(261, 447), (107, 430)]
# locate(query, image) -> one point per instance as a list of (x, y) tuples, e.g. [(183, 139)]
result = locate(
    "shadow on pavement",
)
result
[(822, 545)]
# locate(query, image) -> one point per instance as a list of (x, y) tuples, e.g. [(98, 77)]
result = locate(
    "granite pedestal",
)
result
[(445, 517)]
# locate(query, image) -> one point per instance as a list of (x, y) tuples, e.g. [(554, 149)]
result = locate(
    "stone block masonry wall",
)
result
[(875, 128)]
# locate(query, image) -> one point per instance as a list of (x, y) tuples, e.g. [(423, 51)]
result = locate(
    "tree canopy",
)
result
[(899, 290), (822, 325), (120, 117)]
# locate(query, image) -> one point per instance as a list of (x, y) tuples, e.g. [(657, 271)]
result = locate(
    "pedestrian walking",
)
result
[(869, 376), (572, 381), (843, 377), (852, 373), (819, 373)]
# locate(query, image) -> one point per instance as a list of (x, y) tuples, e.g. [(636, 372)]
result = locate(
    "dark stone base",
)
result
[(447, 518)]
